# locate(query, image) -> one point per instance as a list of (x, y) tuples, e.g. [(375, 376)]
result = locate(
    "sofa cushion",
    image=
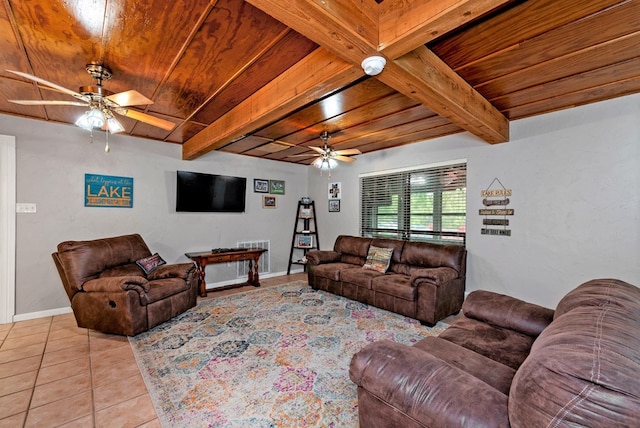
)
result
[(378, 259), (584, 367), (506, 311), (487, 370), (360, 277), (332, 270), (598, 292), (395, 244), (130, 269), (506, 346), (163, 288), (395, 285), (352, 249), (425, 254)]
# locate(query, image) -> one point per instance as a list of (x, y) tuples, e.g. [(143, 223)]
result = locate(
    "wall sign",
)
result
[(496, 195), (108, 191)]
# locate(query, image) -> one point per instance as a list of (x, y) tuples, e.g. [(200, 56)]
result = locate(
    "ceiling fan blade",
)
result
[(302, 155), (147, 118), (273, 141), (129, 98), (48, 103), (348, 152), (318, 149), (47, 83), (344, 158)]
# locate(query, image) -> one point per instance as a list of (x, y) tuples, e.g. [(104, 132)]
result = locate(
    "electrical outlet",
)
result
[(26, 208)]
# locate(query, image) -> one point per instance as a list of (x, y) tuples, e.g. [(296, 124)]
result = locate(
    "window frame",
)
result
[(399, 189)]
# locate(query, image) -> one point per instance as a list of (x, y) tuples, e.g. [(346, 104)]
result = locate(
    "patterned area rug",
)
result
[(271, 357)]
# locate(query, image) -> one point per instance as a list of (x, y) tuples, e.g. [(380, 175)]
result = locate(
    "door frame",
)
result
[(7, 228)]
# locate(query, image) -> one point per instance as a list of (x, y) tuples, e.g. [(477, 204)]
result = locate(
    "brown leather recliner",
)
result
[(110, 293)]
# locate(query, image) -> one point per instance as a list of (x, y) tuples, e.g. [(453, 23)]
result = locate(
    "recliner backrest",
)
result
[(85, 260)]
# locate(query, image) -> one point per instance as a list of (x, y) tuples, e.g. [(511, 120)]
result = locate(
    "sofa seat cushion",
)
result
[(487, 370), (360, 276), (332, 270), (163, 288), (395, 285), (505, 346)]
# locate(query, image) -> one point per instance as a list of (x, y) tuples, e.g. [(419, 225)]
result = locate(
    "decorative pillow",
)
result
[(378, 259), (149, 264)]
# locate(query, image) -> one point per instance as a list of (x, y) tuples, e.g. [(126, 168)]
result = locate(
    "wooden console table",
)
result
[(222, 255)]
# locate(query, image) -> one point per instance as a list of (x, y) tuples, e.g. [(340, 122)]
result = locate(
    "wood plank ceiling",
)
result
[(265, 77)]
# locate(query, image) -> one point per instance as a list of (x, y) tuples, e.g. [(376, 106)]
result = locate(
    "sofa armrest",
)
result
[(117, 283), (426, 388), (178, 270), (440, 275), (317, 257), (507, 312)]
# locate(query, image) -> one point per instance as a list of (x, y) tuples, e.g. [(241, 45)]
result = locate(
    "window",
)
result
[(424, 204)]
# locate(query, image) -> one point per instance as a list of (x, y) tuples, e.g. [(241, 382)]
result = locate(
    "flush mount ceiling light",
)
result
[(373, 65)]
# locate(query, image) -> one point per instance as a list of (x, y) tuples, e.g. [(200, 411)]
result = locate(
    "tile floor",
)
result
[(54, 374)]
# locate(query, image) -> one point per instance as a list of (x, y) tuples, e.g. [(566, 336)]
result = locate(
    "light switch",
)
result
[(26, 208)]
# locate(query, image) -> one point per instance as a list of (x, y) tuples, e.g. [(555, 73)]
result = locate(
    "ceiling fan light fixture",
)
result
[(373, 65), (114, 125), (83, 122), (325, 163), (95, 118)]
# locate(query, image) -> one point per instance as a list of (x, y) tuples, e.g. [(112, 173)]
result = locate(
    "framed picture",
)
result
[(334, 206), (260, 185), (268, 201), (277, 187), (304, 241), (335, 191), (305, 212)]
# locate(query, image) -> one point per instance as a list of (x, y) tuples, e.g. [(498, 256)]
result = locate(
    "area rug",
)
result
[(271, 357)]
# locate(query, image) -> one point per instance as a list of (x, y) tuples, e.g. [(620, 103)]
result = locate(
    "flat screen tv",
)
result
[(198, 192)]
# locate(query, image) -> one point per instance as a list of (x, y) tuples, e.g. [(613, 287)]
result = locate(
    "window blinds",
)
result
[(423, 204)]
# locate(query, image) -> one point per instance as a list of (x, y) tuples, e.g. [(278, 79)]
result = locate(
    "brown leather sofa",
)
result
[(110, 293), (511, 363), (424, 281)]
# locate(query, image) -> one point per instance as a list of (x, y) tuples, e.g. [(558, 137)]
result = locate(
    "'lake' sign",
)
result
[(108, 191)]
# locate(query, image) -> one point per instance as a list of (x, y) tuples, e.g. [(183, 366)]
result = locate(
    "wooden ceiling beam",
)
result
[(424, 77), (316, 76), (348, 28), (418, 73)]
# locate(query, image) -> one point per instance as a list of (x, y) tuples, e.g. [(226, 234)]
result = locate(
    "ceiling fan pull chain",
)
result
[(106, 147)]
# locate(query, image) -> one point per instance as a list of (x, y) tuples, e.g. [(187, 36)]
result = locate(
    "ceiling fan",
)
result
[(102, 103), (328, 156)]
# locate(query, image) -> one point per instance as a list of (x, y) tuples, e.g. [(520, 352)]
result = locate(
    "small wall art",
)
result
[(260, 185), (304, 241), (335, 191), (277, 187), (334, 206), (269, 201)]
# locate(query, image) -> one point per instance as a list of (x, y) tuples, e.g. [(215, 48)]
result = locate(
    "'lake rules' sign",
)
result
[(108, 191)]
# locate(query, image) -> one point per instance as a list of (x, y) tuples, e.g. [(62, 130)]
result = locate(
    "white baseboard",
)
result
[(42, 314)]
